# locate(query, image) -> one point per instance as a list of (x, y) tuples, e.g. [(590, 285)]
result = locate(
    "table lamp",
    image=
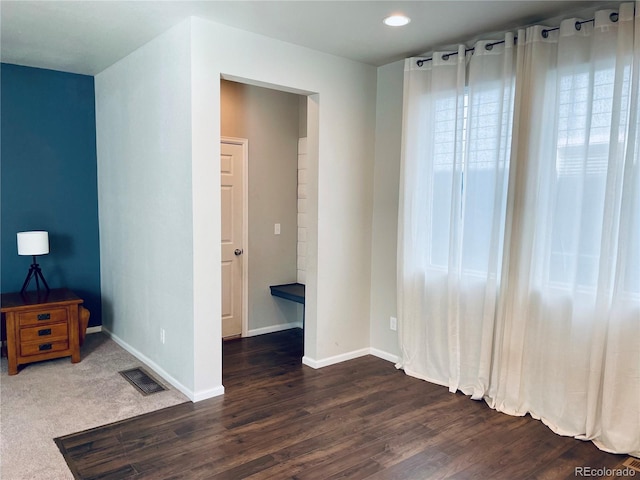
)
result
[(33, 243)]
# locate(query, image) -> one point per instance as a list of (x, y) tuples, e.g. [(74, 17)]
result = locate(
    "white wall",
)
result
[(144, 196), (158, 127), (341, 116), (384, 342)]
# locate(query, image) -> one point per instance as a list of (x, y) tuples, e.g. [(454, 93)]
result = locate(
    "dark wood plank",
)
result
[(359, 419)]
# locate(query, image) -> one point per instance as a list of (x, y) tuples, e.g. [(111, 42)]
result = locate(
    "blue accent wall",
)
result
[(48, 181)]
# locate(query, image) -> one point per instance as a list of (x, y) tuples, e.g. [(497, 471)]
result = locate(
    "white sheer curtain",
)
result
[(455, 173), (519, 237)]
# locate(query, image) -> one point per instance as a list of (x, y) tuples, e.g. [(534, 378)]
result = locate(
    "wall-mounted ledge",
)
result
[(290, 291)]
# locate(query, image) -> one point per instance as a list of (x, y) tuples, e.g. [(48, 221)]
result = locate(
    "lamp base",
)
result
[(34, 272)]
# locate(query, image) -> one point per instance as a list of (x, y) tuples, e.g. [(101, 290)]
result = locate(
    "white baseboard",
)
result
[(389, 357), (310, 362), (212, 392), (325, 362), (193, 396), (273, 328), (343, 357), (91, 330)]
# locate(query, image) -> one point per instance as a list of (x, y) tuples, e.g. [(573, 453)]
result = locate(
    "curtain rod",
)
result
[(545, 34)]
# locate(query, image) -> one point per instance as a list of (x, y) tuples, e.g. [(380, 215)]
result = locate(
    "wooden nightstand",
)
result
[(41, 326)]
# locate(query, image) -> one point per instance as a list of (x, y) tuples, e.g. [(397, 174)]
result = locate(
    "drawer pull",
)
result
[(44, 346), (44, 332), (44, 316)]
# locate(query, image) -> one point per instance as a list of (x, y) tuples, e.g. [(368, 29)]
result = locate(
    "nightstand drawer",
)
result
[(44, 333), (44, 347), (41, 317)]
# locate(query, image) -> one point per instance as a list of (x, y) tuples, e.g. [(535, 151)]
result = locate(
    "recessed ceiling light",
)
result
[(396, 20)]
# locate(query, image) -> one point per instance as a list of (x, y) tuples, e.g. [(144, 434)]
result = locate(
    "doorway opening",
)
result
[(273, 249)]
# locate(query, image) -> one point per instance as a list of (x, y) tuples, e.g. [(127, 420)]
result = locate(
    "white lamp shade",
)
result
[(33, 243)]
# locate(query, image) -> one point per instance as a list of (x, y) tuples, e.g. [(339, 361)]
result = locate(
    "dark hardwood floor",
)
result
[(360, 419)]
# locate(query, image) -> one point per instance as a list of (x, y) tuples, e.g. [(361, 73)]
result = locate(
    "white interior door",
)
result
[(232, 186)]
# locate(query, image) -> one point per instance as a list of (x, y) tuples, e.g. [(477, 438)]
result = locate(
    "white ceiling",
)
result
[(88, 36)]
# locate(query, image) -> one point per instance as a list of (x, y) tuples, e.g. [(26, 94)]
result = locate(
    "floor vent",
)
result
[(633, 463), (143, 382)]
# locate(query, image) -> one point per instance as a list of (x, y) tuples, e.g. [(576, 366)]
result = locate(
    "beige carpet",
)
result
[(53, 398)]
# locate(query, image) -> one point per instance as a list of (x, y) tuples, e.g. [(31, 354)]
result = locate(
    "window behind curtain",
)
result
[(585, 148), (484, 136)]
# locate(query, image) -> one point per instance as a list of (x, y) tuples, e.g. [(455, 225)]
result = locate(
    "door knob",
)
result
[(237, 252)]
